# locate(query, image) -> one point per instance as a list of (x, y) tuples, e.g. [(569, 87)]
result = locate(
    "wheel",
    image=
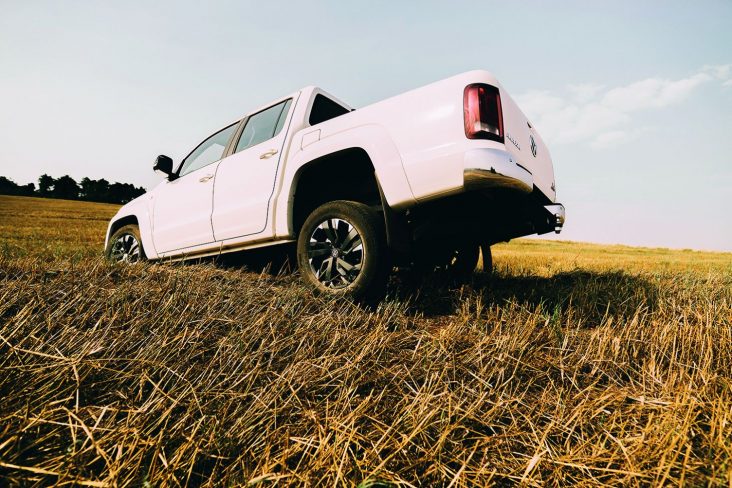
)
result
[(453, 260), (487, 258), (125, 245), (341, 250), (462, 261)]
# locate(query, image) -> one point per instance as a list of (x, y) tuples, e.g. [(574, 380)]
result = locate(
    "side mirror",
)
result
[(165, 164)]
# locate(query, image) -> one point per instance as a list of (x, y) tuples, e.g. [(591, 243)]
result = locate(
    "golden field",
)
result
[(575, 364)]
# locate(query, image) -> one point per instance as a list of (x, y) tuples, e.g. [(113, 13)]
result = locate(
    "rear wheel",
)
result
[(487, 258), (455, 261), (341, 250), (462, 261), (125, 245)]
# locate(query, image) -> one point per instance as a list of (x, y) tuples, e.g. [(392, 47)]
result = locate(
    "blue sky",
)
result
[(633, 98)]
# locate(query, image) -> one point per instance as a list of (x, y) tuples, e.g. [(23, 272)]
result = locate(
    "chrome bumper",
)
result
[(556, 216), (491, 168), (487, 168)]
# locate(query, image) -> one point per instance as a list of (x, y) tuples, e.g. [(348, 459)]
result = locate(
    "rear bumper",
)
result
[(555, 217), (492, 168), (486, 169)]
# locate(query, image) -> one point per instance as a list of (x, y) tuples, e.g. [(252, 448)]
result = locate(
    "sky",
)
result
[(634, 99)]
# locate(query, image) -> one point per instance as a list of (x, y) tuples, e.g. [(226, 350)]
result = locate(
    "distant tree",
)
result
[(87, 188), (90, 190), (28, 190), (9, 187), (94, 190), (45, 185), (124, 192), (101, 190), (65, 187)]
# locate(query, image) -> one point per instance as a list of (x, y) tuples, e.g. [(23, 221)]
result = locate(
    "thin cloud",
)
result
[(652, 93), (585, 92), (611, 138), (596, 114), (719, 71)]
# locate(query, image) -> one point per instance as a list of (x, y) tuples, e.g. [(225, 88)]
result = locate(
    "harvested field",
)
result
[(575, 364)]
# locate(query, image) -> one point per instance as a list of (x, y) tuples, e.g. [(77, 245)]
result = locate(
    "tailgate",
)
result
[(526, 146)]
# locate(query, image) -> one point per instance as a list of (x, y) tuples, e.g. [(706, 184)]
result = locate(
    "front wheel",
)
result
[(125, 245), (341, 250)]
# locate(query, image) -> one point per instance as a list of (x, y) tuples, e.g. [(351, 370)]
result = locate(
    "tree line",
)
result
[(67, 188)]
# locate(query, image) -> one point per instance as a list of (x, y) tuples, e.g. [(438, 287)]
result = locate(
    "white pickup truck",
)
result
[(423, 179)]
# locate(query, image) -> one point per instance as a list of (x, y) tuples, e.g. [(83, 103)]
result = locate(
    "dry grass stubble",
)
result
[(573, 371)]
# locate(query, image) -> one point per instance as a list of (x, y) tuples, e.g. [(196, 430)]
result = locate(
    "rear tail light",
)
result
[(482, 112)]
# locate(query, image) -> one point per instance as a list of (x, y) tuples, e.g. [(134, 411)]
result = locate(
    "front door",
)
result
[(182, 207), (245, 180)]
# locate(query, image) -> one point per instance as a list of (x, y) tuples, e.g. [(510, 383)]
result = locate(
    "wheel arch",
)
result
[(367, 188), (345, 174), (371, 140), (121, 222), (132, 218)]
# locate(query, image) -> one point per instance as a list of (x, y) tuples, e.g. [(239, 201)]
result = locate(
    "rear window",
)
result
[(325, 109)]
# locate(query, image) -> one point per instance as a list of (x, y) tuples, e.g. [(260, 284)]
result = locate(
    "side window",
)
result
[(263, 125), (325, 109), (209, 151)]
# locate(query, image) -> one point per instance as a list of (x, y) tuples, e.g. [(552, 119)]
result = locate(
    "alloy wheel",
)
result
[(126, 249), (335, 253)]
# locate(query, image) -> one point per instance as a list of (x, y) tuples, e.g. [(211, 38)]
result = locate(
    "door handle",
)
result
[(268, 154), (204, 179)]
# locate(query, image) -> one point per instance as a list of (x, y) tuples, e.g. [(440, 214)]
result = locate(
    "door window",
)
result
[(263, 125), (209, 151)]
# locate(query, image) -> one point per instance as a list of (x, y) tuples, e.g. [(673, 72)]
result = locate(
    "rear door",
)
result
[(182, 207), (245, 180)]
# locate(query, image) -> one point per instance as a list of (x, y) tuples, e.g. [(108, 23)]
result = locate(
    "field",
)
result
[(575, 364)]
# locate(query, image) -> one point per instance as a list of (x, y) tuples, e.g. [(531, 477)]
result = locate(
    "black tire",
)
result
[(125, 245), (341, 251), (463, 261), (487, 259), (454, 261)]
